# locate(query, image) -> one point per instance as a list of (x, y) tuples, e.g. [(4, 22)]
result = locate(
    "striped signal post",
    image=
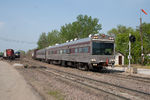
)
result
[(129, 56), (132, 39)]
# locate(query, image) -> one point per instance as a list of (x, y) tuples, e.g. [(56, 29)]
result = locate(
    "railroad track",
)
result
[(120, 91), (129, 77), (49, 71), (92, 83), (85, 84), (136, 78)]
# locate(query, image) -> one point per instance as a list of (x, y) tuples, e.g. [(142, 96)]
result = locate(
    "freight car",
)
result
[(94, 52), (9, 54)]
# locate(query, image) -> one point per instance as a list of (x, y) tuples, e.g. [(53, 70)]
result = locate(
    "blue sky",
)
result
[(25, 20)]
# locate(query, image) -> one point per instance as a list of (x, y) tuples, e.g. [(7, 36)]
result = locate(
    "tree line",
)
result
[(85, 25), (81, 28), (121, 34)]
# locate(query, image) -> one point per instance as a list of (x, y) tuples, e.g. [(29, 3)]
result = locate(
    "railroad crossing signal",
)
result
[(132, 38)]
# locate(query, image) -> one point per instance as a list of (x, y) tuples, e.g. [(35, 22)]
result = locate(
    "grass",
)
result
[(140, 66), (136, 66), (56, 94)]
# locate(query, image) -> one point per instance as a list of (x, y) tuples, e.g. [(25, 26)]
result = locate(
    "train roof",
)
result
[(70, 43), (100, 37), (40, 50)]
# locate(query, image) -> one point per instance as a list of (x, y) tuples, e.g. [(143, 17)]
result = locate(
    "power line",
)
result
[(16, 41)]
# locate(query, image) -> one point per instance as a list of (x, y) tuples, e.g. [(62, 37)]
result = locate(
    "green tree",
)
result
[(81, 28), (43, 41), (122, 40), (53, 37), (121, 34), (66, 32), (120, 30), (87, 25)]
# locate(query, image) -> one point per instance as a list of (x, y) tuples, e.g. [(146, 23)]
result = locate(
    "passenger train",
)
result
[(94, 52)]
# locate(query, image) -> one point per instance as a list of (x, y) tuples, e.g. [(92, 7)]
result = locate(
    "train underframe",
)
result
[(80, 65), (9, 58)]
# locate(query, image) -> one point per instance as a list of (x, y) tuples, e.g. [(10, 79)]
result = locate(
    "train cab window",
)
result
[(102, 48)]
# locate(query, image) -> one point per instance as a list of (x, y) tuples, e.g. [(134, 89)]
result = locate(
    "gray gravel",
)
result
[(71, 91)]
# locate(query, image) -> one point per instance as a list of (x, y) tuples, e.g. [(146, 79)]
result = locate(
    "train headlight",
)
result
[(95, 37), (94, 64), (93, 59), (110, 38)]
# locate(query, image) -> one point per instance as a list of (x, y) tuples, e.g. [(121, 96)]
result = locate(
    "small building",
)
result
[(119, 58)]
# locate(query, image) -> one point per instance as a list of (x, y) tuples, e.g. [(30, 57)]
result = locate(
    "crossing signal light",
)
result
[(132, 38)]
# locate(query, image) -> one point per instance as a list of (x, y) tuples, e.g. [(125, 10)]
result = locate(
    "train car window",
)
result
[(58, 51), (86, 49), (80, 50), (61, 51), (52, 52), (76, 50), (72, 50), (55, 52), (68, 51), (64, 51)]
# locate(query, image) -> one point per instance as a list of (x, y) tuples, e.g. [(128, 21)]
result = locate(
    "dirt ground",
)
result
[(13, 86), (51, 87)]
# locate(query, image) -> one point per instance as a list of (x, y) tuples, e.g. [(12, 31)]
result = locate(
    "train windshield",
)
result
[(102, 48)]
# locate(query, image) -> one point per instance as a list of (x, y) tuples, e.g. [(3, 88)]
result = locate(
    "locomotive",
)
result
[(94, 52), (9, 54), (17, 54)]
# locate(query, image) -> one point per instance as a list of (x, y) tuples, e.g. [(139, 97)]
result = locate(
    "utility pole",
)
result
[(142, 54)]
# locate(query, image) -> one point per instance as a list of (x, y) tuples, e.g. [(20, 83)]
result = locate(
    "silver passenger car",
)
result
[(94, 52)]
